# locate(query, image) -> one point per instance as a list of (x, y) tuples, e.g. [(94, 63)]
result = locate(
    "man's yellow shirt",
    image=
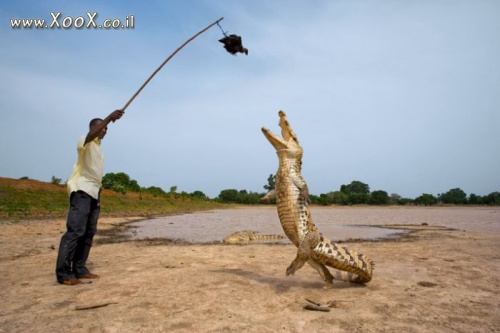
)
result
[(88, 170)]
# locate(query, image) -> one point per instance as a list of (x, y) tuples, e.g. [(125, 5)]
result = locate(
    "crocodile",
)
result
[(292, 201), (247, 236)]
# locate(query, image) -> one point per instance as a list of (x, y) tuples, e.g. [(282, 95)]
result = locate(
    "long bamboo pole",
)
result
[(166, 60)]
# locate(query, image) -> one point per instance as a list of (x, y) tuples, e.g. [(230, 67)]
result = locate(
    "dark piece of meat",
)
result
[(233, 44)]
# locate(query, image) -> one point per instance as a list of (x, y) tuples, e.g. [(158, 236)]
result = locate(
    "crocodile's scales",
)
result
[(292, 197)]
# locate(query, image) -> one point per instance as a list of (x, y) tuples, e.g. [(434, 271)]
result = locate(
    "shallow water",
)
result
[(336, 223)]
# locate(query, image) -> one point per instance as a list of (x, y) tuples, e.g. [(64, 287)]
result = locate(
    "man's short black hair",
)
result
[(93, 121)]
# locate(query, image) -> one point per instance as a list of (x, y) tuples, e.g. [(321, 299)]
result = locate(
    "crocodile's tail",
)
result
[(267, 237), (353, 267)]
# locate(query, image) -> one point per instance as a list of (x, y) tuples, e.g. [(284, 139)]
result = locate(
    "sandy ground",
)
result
[(433, 280)]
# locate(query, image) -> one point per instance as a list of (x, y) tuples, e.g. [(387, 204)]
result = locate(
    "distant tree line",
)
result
[(358, 192), (239, 196), (354, 193), (122, 183)]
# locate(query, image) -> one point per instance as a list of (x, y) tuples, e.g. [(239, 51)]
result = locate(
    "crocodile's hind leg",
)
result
[(323, 271), (301, 259), (304, 255)]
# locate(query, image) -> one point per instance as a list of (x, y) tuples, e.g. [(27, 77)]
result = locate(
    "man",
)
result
[(84, 188)]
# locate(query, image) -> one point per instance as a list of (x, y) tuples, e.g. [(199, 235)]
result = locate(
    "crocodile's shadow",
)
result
[(282, 285)]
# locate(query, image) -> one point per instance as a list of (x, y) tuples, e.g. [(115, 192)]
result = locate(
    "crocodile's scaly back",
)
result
[(248, 236), (292, 198)]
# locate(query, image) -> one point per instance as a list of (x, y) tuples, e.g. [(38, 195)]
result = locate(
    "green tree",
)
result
[(271, 183), (394, 199), (454, 196), (55, 181), (173, 190), (229, 195), (314, 199), (241, 197), (245, 197), (359, 198), (339, 198), (323, 199), (357, 192), (474, 199), (355, 187), (492, 199), (198, 195), (120, 182), (379, 198), (426, 200), (155, 191)]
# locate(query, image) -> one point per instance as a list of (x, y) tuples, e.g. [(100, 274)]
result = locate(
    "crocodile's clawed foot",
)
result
[(294, 266), (297, 263)]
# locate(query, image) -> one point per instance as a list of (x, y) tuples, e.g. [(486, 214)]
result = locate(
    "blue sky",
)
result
[(401, 95)]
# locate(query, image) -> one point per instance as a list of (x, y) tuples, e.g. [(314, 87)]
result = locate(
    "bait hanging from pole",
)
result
[(232, 43)]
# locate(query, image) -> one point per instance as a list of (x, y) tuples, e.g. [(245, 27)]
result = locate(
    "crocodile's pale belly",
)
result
[(289, 213)]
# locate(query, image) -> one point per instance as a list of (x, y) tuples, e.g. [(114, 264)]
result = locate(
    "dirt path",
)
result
[(435, 280)]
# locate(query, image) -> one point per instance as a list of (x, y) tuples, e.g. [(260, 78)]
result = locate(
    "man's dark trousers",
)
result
[(75, 244)]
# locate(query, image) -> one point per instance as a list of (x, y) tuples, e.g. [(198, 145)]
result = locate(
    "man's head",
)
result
[(95, 122)]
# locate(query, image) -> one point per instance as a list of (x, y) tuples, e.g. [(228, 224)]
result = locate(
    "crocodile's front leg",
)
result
[(269, 196), (297, 263), (304, 255), (300, 183)]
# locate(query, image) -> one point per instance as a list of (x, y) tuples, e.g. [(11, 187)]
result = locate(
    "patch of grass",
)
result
[(29, 199)]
